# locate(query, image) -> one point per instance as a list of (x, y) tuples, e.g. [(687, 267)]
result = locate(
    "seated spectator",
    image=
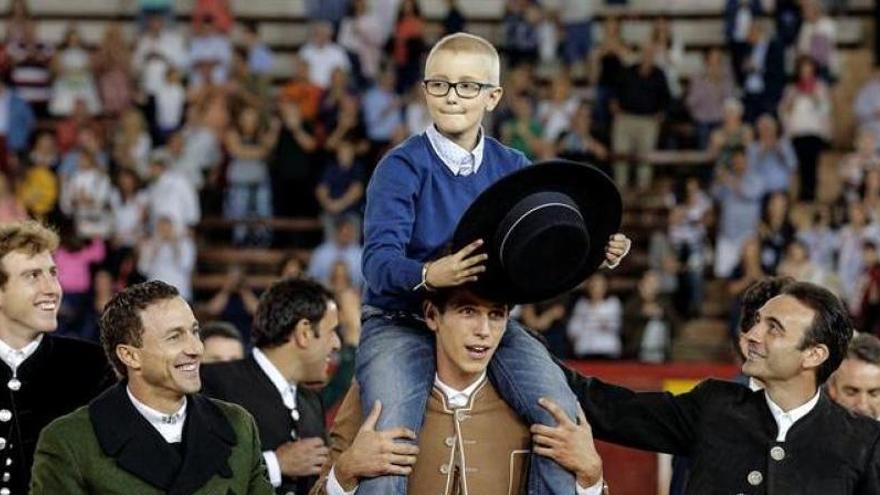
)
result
[(738, 191), (732, 133), (607, 64), (30, 75), (169, 105), (11, 208), (851, 241), (855, 165), (805, 112), (855, 384), (248, 193), (222, 342), (550, 319), (764, 72), (132, 143), (639, 104), (16, 124), (293, 169), (219, 11), (235, 303), (156, 49), (300, 91), (867, 311), (342, 245), (556, 112), (866, 105), (706, 95), (112, 63), (383, 113), (171, 195), (74, 79), (169, 255), (38, 188), (340, 191), (648, 322), (817, 39), (76, 257), (772, 157), (775, 230), (210, 47), (85, 196), (579, 143), (409, 44), (594, 326), (687, 236), (523, 132), (361, 34), (323, 55), (260, 59)]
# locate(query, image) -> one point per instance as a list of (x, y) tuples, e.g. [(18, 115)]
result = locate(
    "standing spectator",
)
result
[(409, 44), (775, 231), (218, 11), (260, 59), (805, 112), (210, 48), (169, 255), (292, 166), (739, 15), (156, 49), (788, 20), (706, 95), (577, 24), (383, 113), (668, 54), (341, 245), (415, 113), (797, 264), (112, 64), (129, 204), (87, 142), (733, 133), (300, 90), (169, 105), (19, 17), (687, 235), (856, 164), (641, 99), (248, 88), (764, 73), (866, 105), (38, 189), (330, 11), (249, 193), (578, 143), (454, 20), (322, 55), (520, 33), (361, 35), (195, 149), (817, 39), (340, 191), (17, 121), (171, 195), (347, 125), (85, 196), (235, 303), (850, 264), (556, 113), (595, 323), (132, 143), (738, 191), (813, 229), (607, 66), (870, 195), (549, 319), (73, 77), (772, 158), (648, 322), (31, 75), (76, 257)]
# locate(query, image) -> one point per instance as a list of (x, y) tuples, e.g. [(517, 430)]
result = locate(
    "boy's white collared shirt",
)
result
[(457, 159)]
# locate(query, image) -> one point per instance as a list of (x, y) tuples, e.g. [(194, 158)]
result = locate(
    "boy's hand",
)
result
[(617, 248), (458, 268), (569, 444)]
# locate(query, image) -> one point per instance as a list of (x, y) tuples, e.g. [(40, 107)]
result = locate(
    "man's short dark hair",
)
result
[(864, 347), (284, 305), (121, 321), (222, 329), (440, 298), (831, 324), (756, 296)]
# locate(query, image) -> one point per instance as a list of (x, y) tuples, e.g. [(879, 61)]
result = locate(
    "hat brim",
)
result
[(595, 195)]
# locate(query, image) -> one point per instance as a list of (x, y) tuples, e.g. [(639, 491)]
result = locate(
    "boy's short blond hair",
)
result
[(470, 43), (28, 237)]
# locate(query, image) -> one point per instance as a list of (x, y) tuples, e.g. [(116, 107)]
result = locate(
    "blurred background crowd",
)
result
[(219, 144)]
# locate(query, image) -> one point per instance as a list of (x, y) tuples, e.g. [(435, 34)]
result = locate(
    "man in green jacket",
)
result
[(152, 433)]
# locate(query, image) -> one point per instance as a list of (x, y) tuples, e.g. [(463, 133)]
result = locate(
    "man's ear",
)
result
[(815, 356), (302, 333), (432, 315), (129, 355)]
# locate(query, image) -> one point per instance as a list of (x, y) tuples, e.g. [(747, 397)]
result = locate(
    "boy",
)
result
[(417, 195)]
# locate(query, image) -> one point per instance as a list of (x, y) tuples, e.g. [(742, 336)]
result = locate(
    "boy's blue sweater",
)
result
[(414, 203)]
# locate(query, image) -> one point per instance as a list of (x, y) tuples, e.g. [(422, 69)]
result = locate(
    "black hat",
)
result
[(544, 227)]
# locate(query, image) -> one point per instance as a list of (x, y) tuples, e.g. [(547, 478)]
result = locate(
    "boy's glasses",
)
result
[(464, 89)]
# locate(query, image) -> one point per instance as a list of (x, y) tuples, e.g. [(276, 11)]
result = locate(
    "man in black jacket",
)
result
[(294, 335), (785, 439)]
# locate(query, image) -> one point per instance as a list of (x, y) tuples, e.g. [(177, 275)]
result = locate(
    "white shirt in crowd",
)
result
[(170, 262), (594, 328), (323, 60)]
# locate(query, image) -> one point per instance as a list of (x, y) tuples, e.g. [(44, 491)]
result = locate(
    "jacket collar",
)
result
[(138, 448)]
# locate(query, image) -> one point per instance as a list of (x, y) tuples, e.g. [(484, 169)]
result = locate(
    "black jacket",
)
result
[(244, 383)]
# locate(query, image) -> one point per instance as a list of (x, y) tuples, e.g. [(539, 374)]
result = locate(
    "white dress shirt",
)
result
[(785, 420), (457, 159), (14, 357), (288, 396), (170, 426), (456, 399)]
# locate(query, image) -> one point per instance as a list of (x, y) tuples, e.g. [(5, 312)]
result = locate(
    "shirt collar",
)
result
[(785, 420), (454, 156), (458, 398), (14, 357), (170, 426), (285, 388)]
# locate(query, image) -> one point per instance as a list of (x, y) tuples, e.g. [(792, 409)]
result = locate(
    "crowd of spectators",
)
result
[(128, 144)]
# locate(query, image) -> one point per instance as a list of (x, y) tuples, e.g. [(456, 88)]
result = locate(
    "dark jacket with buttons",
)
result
[(61, 375), (730, 433), (246, 384)]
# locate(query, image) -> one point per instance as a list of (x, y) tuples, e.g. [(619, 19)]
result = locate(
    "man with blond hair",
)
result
[(42, 376)]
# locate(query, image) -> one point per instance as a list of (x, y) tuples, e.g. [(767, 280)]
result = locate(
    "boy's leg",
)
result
[(523, 372), (395, 365)]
